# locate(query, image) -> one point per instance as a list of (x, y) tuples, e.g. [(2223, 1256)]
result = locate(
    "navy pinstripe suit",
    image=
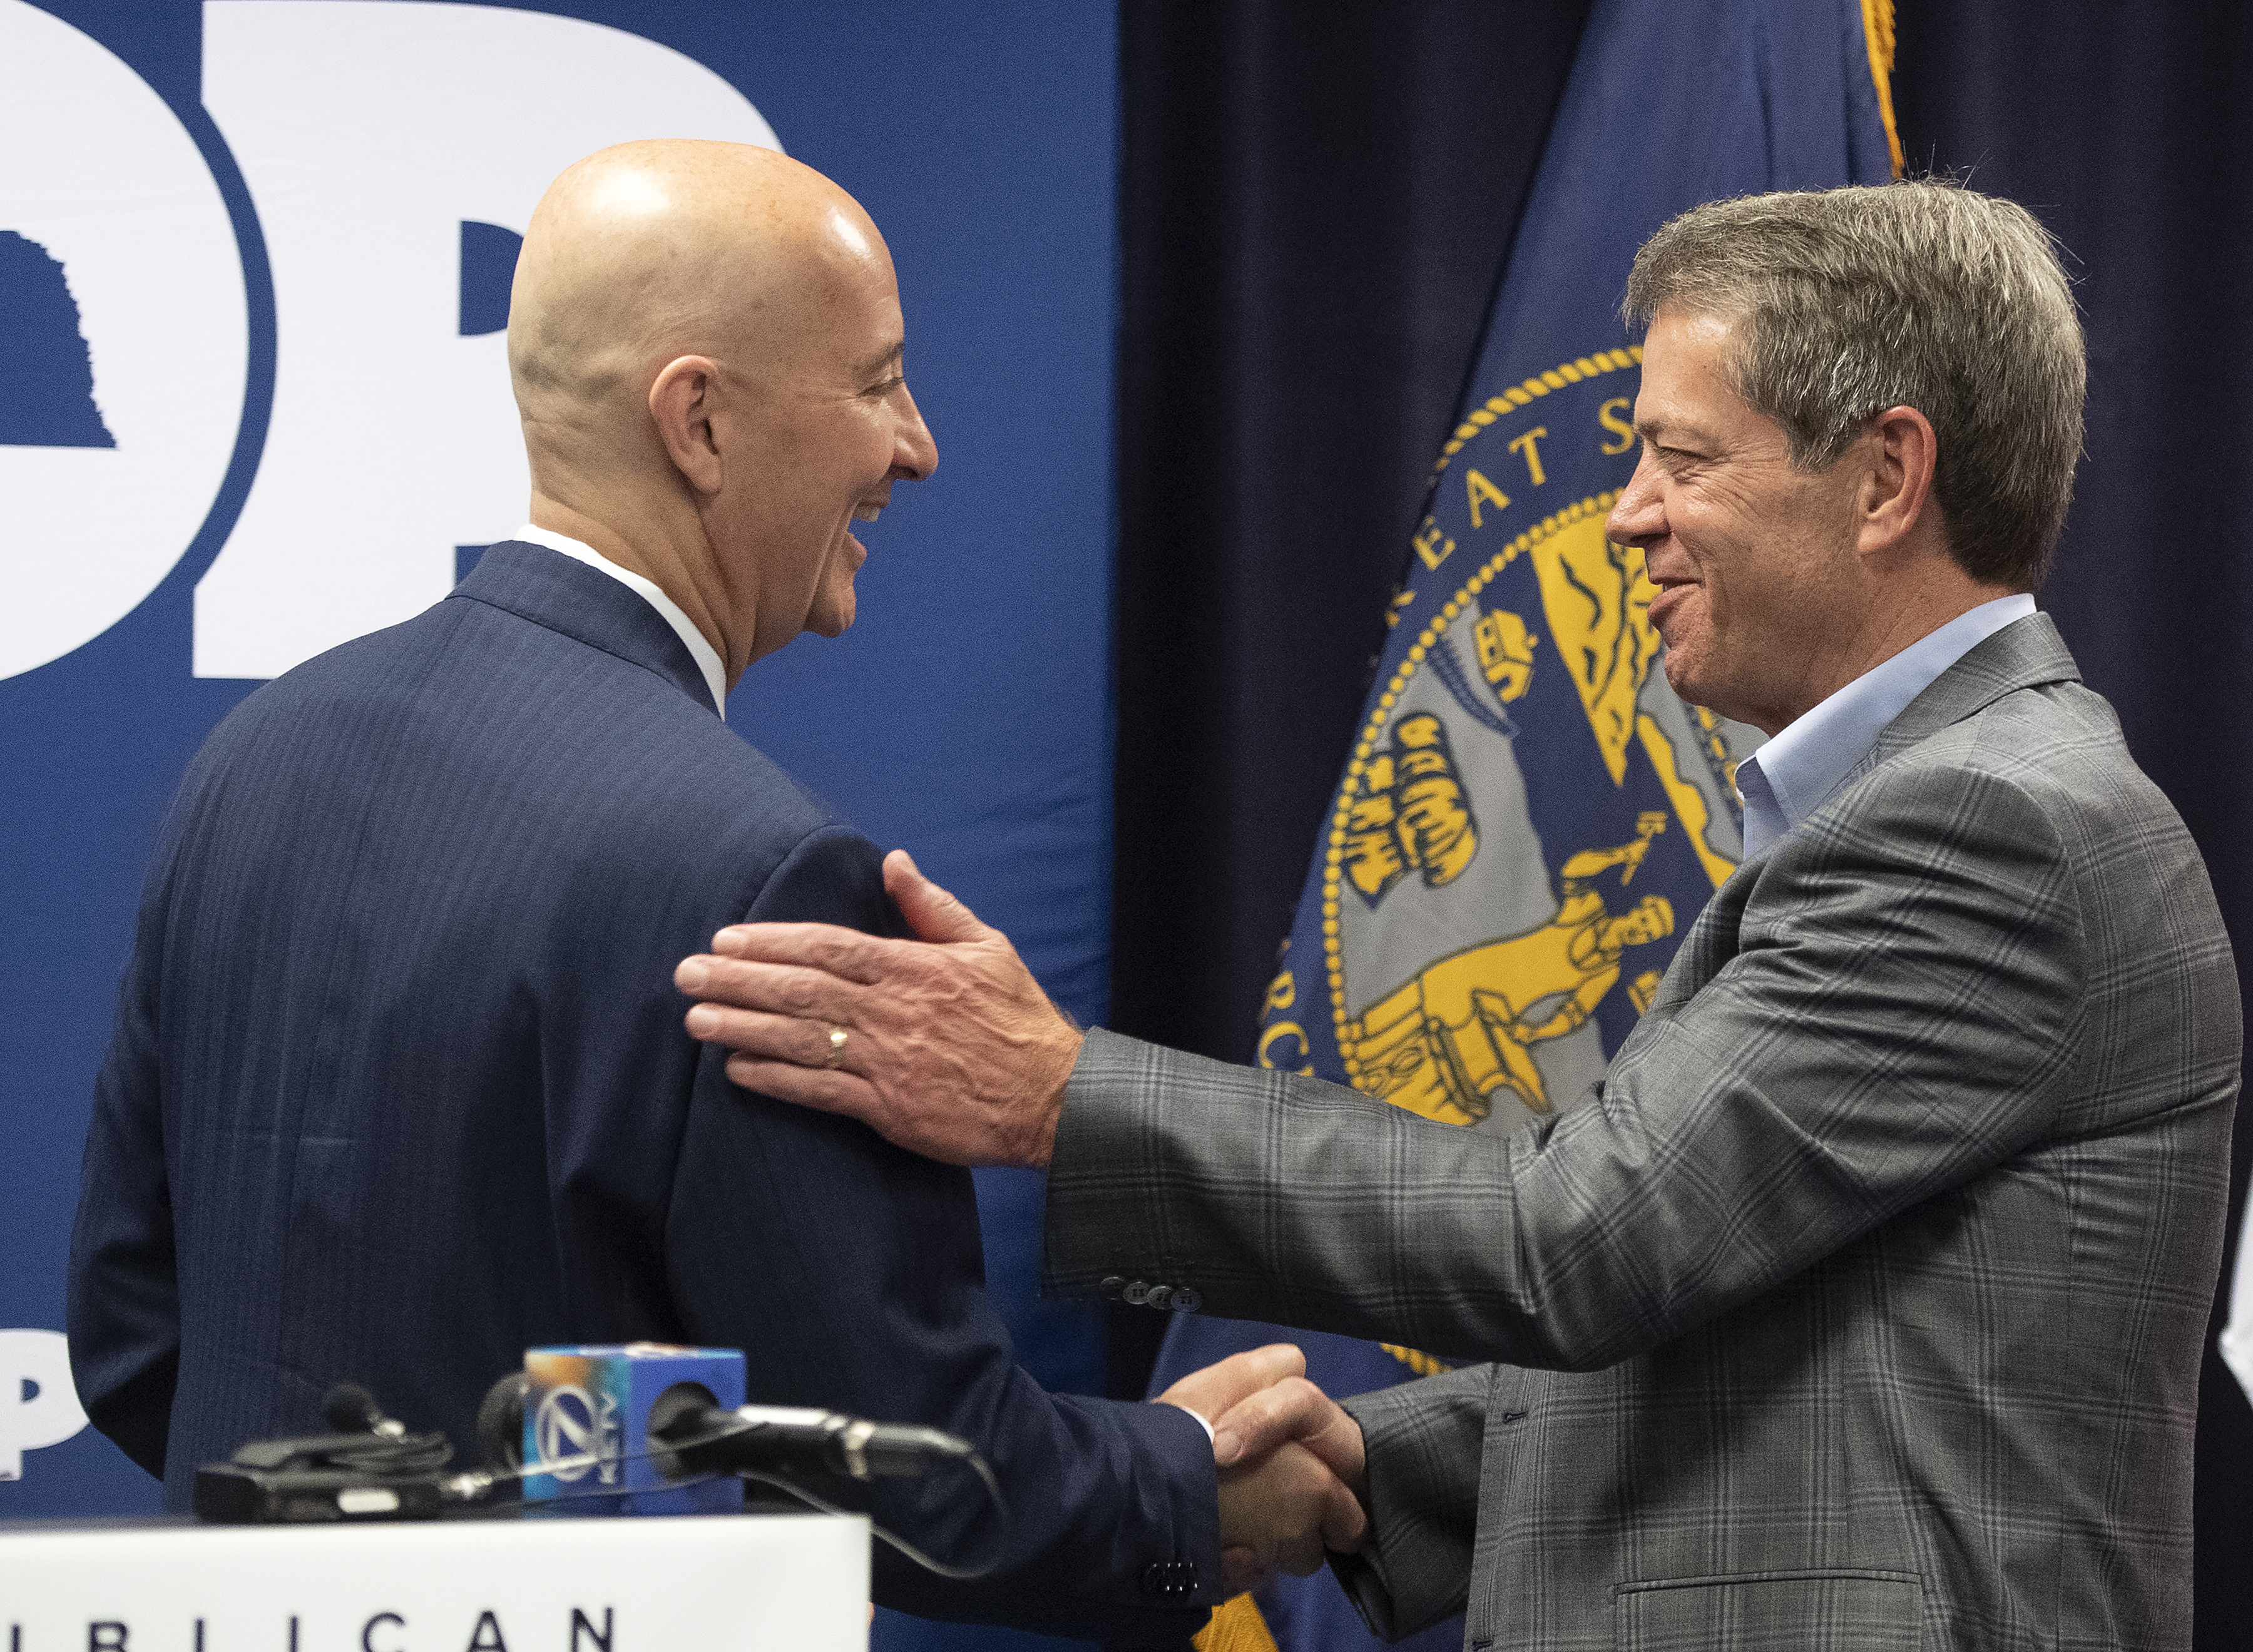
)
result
[(400, 1087)]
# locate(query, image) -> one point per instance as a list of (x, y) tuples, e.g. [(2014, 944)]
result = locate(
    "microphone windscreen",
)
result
[(683, 1412), (350, 1408), (501, 1423)]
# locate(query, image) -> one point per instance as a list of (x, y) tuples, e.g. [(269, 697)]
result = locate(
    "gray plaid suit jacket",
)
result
[(1860, 1305)]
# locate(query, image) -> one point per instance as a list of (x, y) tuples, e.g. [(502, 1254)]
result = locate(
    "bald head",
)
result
[(650, 251), (705, 346)]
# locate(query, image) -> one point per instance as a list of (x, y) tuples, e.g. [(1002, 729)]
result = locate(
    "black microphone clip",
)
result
[(370, 1468)]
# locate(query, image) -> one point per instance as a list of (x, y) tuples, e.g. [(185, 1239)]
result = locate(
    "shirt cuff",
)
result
[(1201, 1422)]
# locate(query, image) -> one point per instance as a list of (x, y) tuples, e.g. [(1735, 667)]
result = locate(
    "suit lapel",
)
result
[(2024, 654), (552, 590)]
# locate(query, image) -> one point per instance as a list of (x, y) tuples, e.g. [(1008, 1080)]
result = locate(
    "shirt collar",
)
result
[(1796, 772), (699, 649)]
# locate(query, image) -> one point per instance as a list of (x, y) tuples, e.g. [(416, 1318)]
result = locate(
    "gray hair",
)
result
[(1920, 294)]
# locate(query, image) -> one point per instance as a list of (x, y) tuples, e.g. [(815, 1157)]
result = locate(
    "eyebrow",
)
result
[(876, 364), (1657, 427)]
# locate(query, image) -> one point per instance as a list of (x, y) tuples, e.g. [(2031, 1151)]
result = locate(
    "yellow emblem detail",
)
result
[(1597, 601), (1479, 492), (1505, 650), (1286, 1036), (1689, 802), (1595, 598), (1359, 770), (1433, 545), (1444, 1042), (1409, 812), (1517, 396)]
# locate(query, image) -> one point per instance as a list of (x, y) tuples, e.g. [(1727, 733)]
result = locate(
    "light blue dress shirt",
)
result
[(1796, 772)]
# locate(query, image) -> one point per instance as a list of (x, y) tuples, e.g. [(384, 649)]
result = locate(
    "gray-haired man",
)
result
[(1861, 1304)]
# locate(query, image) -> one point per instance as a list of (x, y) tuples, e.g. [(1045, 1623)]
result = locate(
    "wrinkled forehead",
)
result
[(728, 269), (1690, 373), (1683, 337), (829, 308)]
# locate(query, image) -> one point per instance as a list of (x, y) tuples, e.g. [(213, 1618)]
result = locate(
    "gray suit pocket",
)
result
[(1834, 1611)]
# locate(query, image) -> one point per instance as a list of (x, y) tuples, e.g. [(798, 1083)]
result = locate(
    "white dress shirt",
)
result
[(700, 650), (1796, 772), (2237, 1335)]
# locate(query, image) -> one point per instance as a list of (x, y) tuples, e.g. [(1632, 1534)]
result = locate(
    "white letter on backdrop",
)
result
[(368, 131), (123, 280), (39, 1361)]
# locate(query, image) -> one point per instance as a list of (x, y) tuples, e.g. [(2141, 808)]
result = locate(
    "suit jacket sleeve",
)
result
[(124, 1300), (1423, 1442), (850, 1272), (1873, 1014)]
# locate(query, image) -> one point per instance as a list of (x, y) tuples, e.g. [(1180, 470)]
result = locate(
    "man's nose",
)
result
[(1639, 513), (915, 451)]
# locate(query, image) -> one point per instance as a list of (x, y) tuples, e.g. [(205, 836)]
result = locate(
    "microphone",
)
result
[(639, 1422), (500, 1424), (688, 1432), (705, 1438), (369, 1468), (350, 1408), (639, 1418)]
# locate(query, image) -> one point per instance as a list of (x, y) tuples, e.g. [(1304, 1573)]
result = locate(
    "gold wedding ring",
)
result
[(835, 1058)]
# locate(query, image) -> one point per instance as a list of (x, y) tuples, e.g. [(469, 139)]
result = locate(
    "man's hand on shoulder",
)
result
[(945, 1044)]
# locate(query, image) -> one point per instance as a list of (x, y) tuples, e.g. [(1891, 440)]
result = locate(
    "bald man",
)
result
[(400, 1086)]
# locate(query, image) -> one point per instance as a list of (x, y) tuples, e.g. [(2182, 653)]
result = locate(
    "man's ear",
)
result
[(1896, 493), (682, 402)]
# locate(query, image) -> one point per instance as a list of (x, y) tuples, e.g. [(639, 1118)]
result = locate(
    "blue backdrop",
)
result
[(966, 714)]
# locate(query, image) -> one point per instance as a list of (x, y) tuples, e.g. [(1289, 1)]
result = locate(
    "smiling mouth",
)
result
[(868, 512), (1664, 603)]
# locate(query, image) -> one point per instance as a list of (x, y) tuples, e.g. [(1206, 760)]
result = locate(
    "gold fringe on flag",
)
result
[(1423, 1364), (1878, 30), (1236, 1626)]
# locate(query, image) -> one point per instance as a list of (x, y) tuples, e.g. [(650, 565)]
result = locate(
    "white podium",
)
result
[(709, 1583)]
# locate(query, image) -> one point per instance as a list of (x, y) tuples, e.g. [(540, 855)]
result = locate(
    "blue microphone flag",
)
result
[(586, 1413)]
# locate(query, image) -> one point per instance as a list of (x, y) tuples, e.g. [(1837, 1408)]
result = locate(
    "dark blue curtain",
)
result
[(2124, 129), (1316, 199)]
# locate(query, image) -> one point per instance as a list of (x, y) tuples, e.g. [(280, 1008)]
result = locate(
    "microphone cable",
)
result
[(936, 1568)]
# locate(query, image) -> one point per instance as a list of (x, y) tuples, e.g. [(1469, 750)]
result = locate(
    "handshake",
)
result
[(1292, 1480)]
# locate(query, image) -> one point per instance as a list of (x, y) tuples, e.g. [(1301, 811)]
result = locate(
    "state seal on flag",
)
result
[(1529, 816)]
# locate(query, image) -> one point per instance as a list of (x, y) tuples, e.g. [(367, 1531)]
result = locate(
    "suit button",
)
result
[(1169, 1579), (1186, 1299), (1112, 1288), (1159, 1298), (1136, 1292)]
